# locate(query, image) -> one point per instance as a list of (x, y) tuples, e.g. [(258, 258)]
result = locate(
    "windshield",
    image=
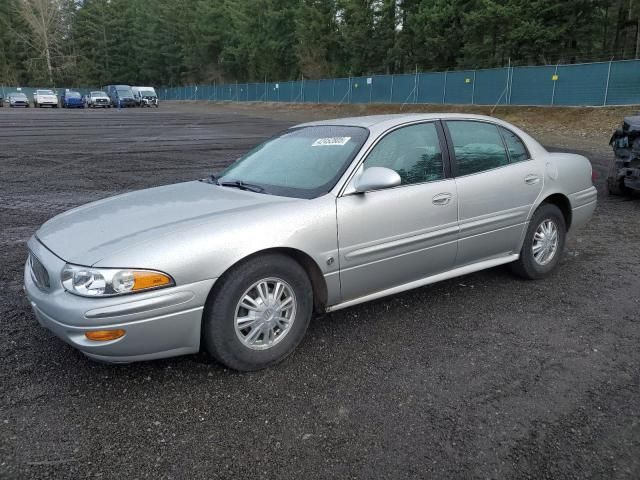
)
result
[(304, 162), (148, 93), (124, 92), (18, 95), (98, 94), (45, 92), (72, 95)]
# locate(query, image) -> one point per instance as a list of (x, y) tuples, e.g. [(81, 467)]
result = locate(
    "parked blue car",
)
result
[(71, 99)]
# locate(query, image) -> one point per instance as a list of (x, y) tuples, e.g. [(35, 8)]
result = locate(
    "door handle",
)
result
[(441, 199), (531, 179)]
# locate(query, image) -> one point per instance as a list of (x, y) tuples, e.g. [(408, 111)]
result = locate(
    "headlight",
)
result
[(107, 282)]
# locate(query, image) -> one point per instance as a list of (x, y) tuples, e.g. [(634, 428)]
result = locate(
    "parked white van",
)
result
[(145, 96)]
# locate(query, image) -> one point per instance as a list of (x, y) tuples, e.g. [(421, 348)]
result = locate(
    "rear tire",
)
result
[(540, 253), (280, 295)]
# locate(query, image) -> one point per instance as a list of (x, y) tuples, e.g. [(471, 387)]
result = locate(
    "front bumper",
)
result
[(51, 103), (158, 324)]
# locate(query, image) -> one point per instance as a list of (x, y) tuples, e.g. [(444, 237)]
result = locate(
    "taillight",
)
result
[(594, 175)]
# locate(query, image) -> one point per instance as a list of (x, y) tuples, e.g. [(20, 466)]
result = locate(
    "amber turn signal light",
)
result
[(105, 335), (143, 280)]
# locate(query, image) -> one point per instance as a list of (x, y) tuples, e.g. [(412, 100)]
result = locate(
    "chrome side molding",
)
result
[(456, 272)]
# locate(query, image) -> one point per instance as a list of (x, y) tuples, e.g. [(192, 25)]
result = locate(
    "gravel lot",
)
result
[(482, 376)]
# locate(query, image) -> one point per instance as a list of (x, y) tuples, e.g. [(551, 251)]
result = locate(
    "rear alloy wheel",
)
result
[(258, 312), (543, 244)]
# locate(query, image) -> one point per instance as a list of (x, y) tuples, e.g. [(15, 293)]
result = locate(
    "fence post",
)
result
[(606, 90), (349, 91), (444, 87), (511, 84), (415, 86), (473, 89), (391, 89), (553, 92)]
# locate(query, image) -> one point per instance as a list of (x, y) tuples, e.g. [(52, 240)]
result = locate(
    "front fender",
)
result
[(207, 250)]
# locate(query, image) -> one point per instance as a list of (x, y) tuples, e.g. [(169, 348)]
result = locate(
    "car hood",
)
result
[(88, 234)]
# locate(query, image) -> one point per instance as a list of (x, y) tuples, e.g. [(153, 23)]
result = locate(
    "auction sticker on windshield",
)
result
[(335, 141)]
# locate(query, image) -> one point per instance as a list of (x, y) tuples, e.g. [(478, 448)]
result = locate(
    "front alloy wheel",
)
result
[(258, 312), (265, 313)]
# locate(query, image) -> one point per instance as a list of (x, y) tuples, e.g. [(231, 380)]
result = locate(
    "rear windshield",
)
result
[(304, 162)]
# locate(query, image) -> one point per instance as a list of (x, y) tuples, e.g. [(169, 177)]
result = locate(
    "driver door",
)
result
[(398, 235)]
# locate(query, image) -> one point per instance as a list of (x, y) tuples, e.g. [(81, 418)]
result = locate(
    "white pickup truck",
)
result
[(97, 99), (45, 97)]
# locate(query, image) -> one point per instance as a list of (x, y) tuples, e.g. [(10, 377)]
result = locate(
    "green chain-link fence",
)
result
[(589, 84)]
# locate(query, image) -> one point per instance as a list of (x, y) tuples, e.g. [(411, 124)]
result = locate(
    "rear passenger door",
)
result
[(496, 183)]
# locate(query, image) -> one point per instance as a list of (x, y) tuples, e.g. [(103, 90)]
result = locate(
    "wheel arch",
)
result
[(318, 282), (562, 202)]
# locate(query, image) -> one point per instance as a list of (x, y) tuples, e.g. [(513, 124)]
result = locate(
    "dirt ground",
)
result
[(483, 376)]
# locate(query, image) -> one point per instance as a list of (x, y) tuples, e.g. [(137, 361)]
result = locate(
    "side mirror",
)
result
[(376, 178)]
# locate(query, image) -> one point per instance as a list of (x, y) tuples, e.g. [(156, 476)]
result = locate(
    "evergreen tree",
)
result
[(175, 42)]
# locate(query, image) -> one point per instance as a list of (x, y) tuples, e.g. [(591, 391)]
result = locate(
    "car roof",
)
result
[(387, 121)]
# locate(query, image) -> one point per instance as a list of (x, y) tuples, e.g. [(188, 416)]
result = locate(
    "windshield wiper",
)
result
[(241, 185)]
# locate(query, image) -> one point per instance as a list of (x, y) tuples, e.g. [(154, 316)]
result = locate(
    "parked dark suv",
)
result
[(121, 95)]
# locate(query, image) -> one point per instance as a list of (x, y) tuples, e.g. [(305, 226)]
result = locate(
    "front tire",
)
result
[(258, 312), (543, 244)]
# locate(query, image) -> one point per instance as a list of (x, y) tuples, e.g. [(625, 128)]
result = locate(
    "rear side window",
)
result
[(517, 150), (478, 146), (413, 151)]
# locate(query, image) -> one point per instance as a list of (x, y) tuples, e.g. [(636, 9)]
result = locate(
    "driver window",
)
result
[(413, 152)]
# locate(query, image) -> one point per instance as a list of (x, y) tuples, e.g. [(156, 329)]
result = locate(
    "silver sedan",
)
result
[(324, 216)]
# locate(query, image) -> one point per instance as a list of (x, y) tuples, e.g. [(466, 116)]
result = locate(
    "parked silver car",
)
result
[(323, 216)]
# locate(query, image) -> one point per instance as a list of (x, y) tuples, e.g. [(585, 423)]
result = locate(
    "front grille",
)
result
[(39, 274)]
